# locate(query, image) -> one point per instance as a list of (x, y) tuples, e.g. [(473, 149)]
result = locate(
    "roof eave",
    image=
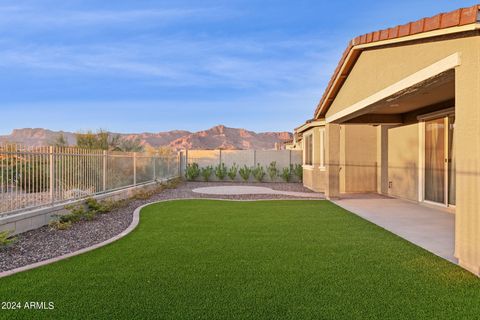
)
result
[(357, 45)]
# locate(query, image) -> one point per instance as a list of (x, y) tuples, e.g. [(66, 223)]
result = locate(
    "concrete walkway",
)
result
[(430, 228), (245, 190)]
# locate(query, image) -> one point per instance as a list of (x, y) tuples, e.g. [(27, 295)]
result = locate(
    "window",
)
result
[(322, 148), (308, 151)]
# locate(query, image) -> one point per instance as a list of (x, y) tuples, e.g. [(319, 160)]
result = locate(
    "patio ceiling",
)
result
[(432, 94)]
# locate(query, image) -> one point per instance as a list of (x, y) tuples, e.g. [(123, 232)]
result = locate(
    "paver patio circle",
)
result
[(249, 190)]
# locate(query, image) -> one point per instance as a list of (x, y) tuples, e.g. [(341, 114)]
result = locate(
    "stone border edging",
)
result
[(130, 228)]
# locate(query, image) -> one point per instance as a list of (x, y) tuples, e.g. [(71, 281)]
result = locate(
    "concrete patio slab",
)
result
[(244, 190), (430, 228)]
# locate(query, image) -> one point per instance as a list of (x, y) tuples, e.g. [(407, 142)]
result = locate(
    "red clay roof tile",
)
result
[(450, 19), (404, 30), (384, 34), (469, 15), (417, 26), (432, 23), (393, 33), (458, 17), (369, 37)]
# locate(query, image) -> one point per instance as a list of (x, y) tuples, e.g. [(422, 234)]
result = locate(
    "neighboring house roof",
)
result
[(441, 22)]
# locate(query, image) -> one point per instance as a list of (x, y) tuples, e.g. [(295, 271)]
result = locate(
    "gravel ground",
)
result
[(45, 243)]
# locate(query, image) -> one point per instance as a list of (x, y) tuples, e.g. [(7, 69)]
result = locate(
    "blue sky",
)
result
[(138, 65)]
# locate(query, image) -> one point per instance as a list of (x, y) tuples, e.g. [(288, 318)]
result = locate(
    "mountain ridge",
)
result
[(217, 137)]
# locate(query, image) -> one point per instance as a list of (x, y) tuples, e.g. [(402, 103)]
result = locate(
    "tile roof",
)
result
[(459, 17)]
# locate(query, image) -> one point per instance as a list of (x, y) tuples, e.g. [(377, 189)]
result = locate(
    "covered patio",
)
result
[(428, 227)]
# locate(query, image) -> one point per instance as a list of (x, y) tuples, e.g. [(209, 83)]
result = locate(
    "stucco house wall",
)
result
[(380, 67), (403, 162), (358, 155), (314, 175)]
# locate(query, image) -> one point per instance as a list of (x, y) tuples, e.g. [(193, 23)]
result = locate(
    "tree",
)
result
[(103, 140), (60, 141)]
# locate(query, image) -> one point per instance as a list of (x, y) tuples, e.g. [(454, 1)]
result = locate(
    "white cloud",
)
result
[(46, 17)]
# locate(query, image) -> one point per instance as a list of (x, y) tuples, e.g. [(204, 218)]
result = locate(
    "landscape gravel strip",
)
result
[(45, 243)]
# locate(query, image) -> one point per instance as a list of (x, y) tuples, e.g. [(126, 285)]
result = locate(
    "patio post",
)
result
[(332, 160), (467, 152), (382, 159)]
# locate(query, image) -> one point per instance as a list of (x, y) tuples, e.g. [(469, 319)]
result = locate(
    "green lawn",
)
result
[(208, 259)]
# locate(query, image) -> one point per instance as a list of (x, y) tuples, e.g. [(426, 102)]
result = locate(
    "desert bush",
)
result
[(298, 171), (221, 171), (92, 207), (192, 172), (76, 214), (245, 172), (258, 173), (286, 174), (59, 225), (272, 170), (206, 172), (232, 172), (6, 239)]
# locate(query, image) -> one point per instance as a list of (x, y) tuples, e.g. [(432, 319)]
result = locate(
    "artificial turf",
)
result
[(207, 259)]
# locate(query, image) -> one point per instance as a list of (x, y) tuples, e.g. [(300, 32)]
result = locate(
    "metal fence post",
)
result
[(134, 168), (155, 157), (51, 182), (105, 155)]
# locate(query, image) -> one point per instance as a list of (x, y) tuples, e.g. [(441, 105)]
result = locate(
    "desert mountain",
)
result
[(213, 138)]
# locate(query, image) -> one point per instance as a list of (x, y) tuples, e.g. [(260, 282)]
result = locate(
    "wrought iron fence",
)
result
[(32, 177)]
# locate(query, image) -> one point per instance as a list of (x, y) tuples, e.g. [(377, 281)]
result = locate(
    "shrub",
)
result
[(206, 172), (59, 225), (76, 214), (6, 239), (272, 170), (221, 171), (298, 171), (286, 174), (245, 172), (192, 172), (258, 173), (232, 172)]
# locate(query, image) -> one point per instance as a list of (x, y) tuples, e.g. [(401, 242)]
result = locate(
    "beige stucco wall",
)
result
[(314, 175), (467, 130), (379, 68), (358, 147), (403, 162), (357, 160), (314, 179)]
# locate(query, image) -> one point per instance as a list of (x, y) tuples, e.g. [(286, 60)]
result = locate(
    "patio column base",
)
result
[(332, 160), (475, 269)]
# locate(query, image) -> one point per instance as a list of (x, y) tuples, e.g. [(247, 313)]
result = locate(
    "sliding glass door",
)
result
[(435, 160), (440, 161)]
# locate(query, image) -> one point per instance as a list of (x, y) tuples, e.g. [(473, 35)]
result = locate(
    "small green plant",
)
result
[(232, 172), (272, 170), (298, 171), (258, 173), (6, 239), (286, 174), (59, 225), (76, 214), (206, 172), (221, 171), (192, 171), (245, 172)]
